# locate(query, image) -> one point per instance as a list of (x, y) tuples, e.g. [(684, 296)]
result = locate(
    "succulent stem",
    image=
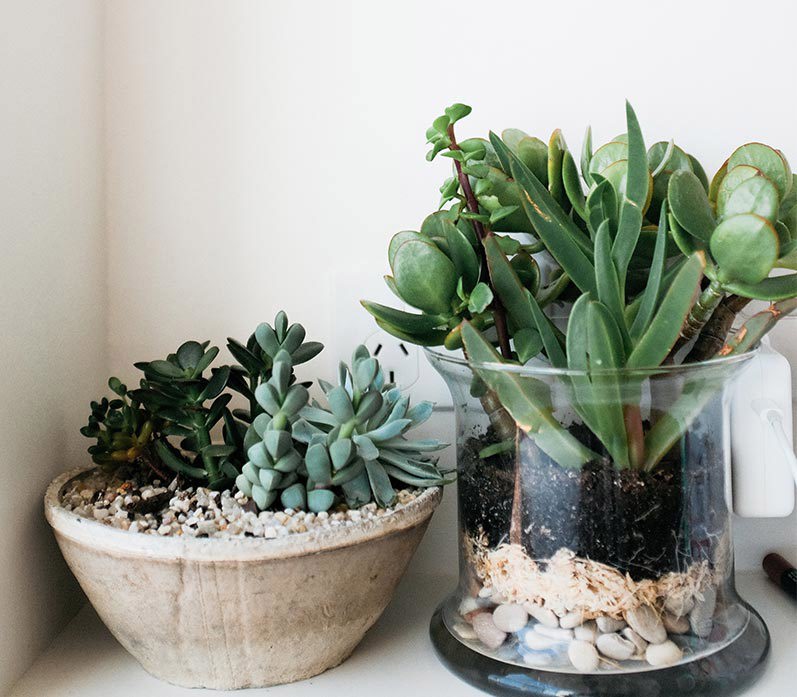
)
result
[(757, 326), (499, 313), (700, 313), (716, 330)]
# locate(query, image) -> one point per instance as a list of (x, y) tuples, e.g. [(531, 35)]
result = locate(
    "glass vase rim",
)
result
[(721, 362)]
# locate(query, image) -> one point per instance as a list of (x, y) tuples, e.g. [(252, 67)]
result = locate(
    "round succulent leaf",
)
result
[(480, 298), (784, 235), (365, 447), (251, 473), (243, 484), (294, 497), (690, 206), (266, 337), (268, 398), (262, 498), (733, 178), (465, 260), (340, 404), (677, 159), (320, 500), (755, 195), (745, 248), (259, 455), (700, 173), (513, 136), (288, 462), (606, 155), (166, 369), (616, 174), (401, 237), (365, 371), (420, 412), (425, 277), (341, 452), (383, 490), (277, 443), (261, 423), (269, 479), (318, 464), (295, 400), (716, 182), (189, 354), (350, 472), (293, 338), (770, 161)]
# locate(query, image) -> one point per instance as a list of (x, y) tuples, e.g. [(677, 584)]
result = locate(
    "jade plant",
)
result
[(648, 261), (274, 448)]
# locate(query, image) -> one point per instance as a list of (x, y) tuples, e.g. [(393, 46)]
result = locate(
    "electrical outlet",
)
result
[(399, 359)]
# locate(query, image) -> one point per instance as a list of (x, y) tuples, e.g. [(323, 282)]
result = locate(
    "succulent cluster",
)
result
[(270, 449), (651, 264)]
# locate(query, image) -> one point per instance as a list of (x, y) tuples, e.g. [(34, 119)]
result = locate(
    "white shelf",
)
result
[(395, 658)]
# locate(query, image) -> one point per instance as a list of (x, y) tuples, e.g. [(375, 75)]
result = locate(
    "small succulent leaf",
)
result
[(277, 443), (318, 464), (258, 455), (189, 354), (462, 255), (745, 247), (262, 498), (341, 451), (420, 413), (293, 338), (480, 298), (389, 430), (366, 448), (556, 151), (700, 173), (357, 490), (340, 404), (267, 339), (243, 484), (369, 405), (606, 155), (433, 337), (650, 296), (586, 156), (364, 372), (350, 472), (320, 500), (572, 185), (216, 384), (261, 424), (218, 450), (425, 277), (176, 463), (295, 497), (545, 329), (295, 400), (528, 344), (384, 494), (165, 369), (288, 462), (609, 291), (690, 206), (656, 342), (307, 351), (269, 479)]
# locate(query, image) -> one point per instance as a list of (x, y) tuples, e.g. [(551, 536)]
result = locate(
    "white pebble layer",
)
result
[(155, 509)]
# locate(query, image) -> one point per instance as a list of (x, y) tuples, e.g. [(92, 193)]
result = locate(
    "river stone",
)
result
[(700, 619), (571, 620), (554, 632), (614, 646), (608, 625), (536, 641), (635, 639), (465, 631), (468, 605), (679, 605), (487, 632), (510, 618), (664, 654), (583, 656), (645, 622), (587, 632), (542, 615), (675, 625)]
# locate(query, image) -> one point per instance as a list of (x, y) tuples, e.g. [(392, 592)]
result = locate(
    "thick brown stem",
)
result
[(632, 415), (499, 313), (713, 336)]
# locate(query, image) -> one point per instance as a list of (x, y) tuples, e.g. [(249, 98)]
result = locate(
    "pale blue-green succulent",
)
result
[(358, 443)]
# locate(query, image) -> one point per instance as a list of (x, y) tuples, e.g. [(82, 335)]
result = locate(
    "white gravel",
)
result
[(158, 509)]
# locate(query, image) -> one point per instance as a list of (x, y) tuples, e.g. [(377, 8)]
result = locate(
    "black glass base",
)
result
[(722, 674)]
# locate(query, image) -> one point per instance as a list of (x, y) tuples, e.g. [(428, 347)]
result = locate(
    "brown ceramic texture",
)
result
[(243, 612)]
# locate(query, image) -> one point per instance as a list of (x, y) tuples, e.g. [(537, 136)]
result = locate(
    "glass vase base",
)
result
[(725, 673)]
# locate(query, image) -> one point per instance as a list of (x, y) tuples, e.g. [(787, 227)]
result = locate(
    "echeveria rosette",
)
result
[(274, 466), (358, 442)]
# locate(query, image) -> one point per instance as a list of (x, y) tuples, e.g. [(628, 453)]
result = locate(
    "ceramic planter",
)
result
[(238, 613)]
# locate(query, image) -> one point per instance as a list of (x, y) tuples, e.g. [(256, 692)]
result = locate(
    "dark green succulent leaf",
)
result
[(650, 296), (307, 351), (608, 284), (586, 156), (756, 195), (189, 354), (425, 277), (434, 337), (745, 247), (176, 463), (571, 181), (770, 161), (508, 286), (690, 206), (664, 329), (462, 255), (217, 450), (480, 298)]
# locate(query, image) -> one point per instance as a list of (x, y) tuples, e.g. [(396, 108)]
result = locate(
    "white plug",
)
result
[(763, 463)]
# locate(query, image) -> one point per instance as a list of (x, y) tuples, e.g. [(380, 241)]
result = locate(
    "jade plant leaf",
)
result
[(770, 161), (745, 248), (756, 195), (690, 205), (425, 277)]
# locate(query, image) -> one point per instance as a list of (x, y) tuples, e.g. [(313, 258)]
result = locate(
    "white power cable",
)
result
[(771, 413)]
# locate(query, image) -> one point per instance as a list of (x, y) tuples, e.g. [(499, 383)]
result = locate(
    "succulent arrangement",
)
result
[(280, 447), (648, 260)]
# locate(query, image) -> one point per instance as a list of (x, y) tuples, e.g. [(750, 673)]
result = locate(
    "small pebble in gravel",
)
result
[(583, 656), (645, 622), (679, 605), (571, 620), (536, 641), (510, 618), (554, 632), (675, 625), (587, 632), (635, 639), (664, 654), (542, 615), (487, 632), (614, 646), (700, 618), (609, 625)]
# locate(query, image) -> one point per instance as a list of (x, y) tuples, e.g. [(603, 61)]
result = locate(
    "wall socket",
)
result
[(403, 362)]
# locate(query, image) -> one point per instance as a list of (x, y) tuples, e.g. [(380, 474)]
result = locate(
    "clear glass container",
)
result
[(594, 533)]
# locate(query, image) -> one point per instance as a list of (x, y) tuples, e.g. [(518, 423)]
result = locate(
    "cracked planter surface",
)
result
[(241, 612)]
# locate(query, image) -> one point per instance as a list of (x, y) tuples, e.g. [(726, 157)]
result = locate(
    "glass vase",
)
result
[(594, 533)]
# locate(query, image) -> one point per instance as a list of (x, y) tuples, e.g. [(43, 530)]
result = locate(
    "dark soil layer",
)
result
[(642, 523)]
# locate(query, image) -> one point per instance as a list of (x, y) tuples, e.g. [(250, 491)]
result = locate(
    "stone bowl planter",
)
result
[(242, 612)]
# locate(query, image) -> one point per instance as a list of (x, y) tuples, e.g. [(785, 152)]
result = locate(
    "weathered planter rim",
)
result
[(234, 549)]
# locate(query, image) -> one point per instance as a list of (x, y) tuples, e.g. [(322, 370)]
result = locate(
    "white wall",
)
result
[(52, 304)]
